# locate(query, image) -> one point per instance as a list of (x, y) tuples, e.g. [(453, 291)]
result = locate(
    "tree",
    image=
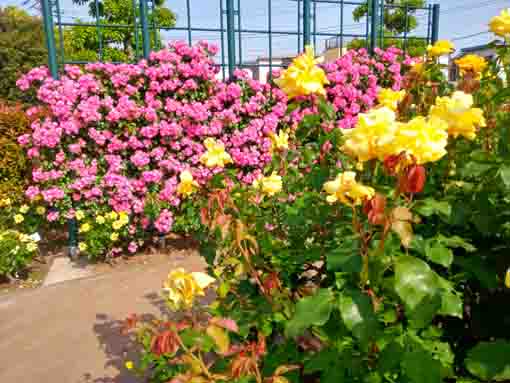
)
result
[(22, 48), (397, 21), (118, 44)]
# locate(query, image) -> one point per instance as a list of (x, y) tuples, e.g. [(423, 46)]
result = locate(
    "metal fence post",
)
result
[(146, 41), (50, 37), (435, 22), (231, 38), (307, 36), (374, 21)]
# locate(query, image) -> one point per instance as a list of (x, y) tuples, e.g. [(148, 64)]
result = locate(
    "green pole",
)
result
[(307, 35), (50, 37), (146, 40), (231, 38), (374, 21), (435, 22)]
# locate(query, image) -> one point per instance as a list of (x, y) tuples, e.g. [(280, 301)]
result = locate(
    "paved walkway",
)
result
[(69, 332)]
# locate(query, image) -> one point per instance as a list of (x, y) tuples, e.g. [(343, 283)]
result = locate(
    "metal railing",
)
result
[(231, 28)]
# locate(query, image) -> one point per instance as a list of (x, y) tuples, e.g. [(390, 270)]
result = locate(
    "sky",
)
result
[(463, 21)]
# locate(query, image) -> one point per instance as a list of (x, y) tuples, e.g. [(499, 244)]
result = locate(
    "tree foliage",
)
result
[(396, 22), (82, 43), (21, 49)]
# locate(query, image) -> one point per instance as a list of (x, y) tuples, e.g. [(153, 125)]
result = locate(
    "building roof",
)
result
[(477, 48)]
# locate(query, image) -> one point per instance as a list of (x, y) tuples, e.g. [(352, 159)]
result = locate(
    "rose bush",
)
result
[(141, 139), (363, 255)]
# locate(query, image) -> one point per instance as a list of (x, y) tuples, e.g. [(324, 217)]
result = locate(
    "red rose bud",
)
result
[(391, 163), (375, 210), (414, 180), (272, 282)]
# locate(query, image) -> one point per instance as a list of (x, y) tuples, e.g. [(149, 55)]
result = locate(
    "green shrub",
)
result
[(13, 162)]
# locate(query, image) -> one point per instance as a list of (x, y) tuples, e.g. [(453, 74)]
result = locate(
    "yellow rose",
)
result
[(457, 112), (187, 185), (500, 24), (215, 156), (100, 219), (390, 98), (82, 246), (129, 365), (440, 48), (117, 225), (182, 288), (31, 247), (79, 215), (303, 77), (23, 237), (425, 139), (24, 209), (112, 216), (471, 63), (124, 217), (373, 136), (85, 228), (417, 67), (270, 185), (345, 189), (114, 237), (18, 218), (5, 202), (281, 140), (40, 210)]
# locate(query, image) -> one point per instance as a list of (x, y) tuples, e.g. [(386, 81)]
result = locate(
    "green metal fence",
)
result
[(231, 27)]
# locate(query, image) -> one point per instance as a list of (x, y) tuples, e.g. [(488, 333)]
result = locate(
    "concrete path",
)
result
[(69, 332)]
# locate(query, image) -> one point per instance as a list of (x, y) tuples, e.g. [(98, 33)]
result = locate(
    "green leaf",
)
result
[(430, 206), (414, 281), (346, 258), (311, 311), (439, 254), (423, 314), (504, 173), (456, 242), (420, 367), (358, 314), (490, 361), (479, 269), (451, 304)]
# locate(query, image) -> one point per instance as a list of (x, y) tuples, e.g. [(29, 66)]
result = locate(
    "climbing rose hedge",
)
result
[(117, 137)]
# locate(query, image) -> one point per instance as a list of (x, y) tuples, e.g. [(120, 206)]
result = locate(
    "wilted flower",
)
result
[(500, 24), (345, 189), (181, 288), (440, 48), (458, 113), (303, 77), (215, 156)]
